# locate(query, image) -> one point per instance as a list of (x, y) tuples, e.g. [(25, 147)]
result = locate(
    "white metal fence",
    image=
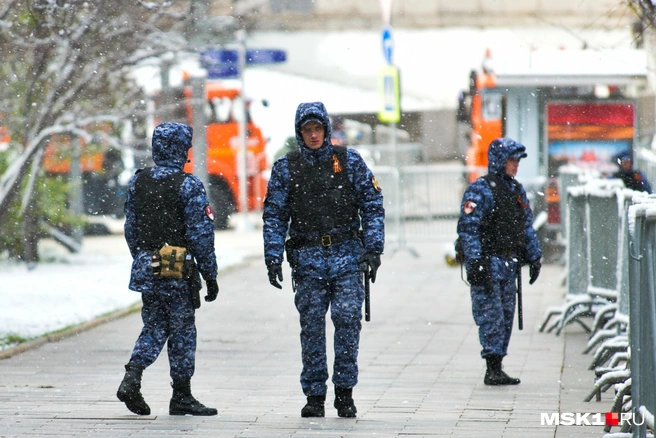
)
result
[(422, 202), (611, 259)]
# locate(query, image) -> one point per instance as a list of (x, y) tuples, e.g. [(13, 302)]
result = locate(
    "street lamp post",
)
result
[(198, 102), (244, 224)]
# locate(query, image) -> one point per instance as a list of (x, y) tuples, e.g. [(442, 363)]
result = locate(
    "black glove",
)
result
[(478, 272), (534, 270), (212, 290), (371, 262), (275, 274)]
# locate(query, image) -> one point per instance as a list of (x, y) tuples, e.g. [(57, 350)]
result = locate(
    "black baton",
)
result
[(520, 310), (367, 297)]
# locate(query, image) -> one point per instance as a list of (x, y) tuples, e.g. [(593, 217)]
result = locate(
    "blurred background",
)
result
[(419, 87)]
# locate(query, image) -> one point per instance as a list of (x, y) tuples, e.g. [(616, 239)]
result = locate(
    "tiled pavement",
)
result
[(420, 370)]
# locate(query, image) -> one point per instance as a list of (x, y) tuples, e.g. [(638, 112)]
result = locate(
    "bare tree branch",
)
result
[(66, 68)]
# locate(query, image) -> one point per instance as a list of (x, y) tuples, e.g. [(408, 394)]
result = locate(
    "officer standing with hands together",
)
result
[(496, 231), (632, 178), (170, 232), (336, 233)]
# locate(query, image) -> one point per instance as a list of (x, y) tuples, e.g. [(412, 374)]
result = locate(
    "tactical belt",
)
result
[(324, 240)]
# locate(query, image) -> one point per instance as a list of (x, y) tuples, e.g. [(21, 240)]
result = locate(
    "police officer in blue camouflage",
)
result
[(632, 178), (168, 206), (329, 202), (496, 232)]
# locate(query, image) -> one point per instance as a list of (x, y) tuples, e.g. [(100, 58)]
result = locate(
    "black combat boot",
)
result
[(130, 390), (183, 403), (314, 406), (344, 402), (495, 375)]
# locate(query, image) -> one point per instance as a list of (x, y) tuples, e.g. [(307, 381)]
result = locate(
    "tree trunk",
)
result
[(30, 235)]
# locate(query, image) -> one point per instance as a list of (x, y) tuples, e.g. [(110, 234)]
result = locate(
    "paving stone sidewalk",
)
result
[(421, 374)]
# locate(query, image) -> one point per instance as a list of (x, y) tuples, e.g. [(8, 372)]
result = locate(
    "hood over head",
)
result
[(312, 111), (499, 151), (171, 141), (622, 156)]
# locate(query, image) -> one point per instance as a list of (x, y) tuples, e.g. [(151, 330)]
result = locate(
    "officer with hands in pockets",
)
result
[(496, 232), (167, 208), (336, 232)]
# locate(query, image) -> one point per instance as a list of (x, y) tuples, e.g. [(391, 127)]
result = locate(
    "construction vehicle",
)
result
[(103, 171), (568, 107), (223, 112), (104, 192)]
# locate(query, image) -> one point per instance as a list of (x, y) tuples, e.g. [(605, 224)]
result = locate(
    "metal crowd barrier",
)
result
[(594, 265), (571, 176), (422, 202), (611, 277), (642, 313)]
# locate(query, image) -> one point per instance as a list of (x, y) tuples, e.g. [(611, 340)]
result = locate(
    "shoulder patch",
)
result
[(209, 212), (469, 207), (374, 182)]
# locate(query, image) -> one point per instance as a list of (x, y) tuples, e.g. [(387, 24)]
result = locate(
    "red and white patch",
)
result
[(469, 207), (209, 213), (374, 182)]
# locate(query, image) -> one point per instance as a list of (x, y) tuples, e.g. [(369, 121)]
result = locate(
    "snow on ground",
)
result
[(67, 289)]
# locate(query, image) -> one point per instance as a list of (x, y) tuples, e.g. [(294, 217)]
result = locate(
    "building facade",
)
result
[(349, 14)]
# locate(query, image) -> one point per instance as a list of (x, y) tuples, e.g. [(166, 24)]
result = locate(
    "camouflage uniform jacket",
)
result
[(170, 144), (277, 213), (478, 202)]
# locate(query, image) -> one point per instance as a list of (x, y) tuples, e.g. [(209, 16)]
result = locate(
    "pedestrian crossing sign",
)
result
[(390, 92)]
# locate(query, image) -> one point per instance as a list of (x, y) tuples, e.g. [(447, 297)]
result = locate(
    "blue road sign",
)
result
[(388, 44), (223, 72), (224, 63), (265, 56), (219, 56), (220, 64)]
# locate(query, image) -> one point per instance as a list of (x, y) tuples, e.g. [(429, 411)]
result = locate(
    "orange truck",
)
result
[(57, 156), (484, 115), (224, 111), (101, 168), (568, 107)]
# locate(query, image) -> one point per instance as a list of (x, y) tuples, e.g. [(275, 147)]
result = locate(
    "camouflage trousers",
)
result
[(344, 296), (493, 307), (168, 317)]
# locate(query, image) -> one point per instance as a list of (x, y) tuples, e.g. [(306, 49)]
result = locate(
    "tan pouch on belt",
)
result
[(172, 259)]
